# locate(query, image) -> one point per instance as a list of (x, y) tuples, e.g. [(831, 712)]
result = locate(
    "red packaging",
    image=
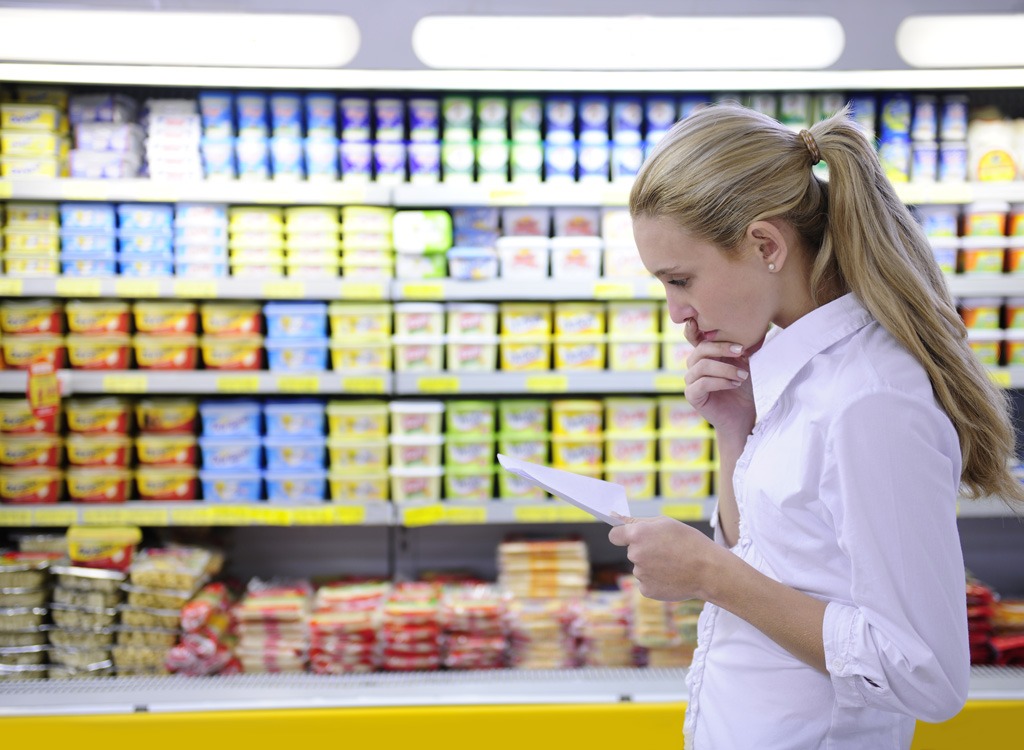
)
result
[(98, 485), (165, 352), (98, 352), (98, 450), (30, 486), (98, 416), (166, 483), (19, 352), (16, 418), (30, 451)]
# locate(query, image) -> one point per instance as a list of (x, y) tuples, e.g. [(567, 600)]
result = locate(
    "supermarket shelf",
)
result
[(536, 289), (596, 193), (295, 192), (413, 515), (550, 382), (188, 513), (208, 382), (981, 285)]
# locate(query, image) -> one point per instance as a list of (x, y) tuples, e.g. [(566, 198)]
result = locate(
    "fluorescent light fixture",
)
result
[(177, 38), (990, 40), (628, 42)]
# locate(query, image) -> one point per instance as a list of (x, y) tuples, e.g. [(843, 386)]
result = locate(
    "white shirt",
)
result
[(847, 491)]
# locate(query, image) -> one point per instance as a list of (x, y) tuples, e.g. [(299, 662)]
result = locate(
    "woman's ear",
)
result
[(769, 244)]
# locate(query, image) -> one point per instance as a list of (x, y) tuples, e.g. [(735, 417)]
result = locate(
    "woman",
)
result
[(835, 583)]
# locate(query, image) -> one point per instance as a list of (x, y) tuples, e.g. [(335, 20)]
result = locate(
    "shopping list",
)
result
[(598, 498)]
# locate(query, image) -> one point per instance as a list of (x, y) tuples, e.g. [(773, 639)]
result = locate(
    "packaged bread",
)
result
[(181, 568), (88, 579), (88, 599), (66, 616), (149, 617), (98, 638)]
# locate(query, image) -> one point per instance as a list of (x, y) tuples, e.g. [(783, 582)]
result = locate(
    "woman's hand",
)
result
[(718, 382)]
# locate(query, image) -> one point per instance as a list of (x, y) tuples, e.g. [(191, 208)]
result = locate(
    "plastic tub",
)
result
[(360, 355), (1013, 348), (630, 415), (230, 319), (17, 418), (230, 418), (472, 353), (144, 265), (692, 482), (165, 318), (524, 257), (98, 415), (416, 485), (525, 354), (580, 352), (675, 353), (360, 320), (576, 257), (166, 483), (471, 319), (94, 318), (166, 450), (306, 320), (525, 319), (982, 255), (419, 319), (472, 263), (514, 488), (77, 264), (1015, 256), (359, 419), (633, 318), (982, 313), (938, 220), (298, 418), (231, 453), (358, 454), (145, 243), (353, 487), (630, 449), (231, 486), (21, 351), (30, 451), (30, 486), (676, 416), (684, 450), (421, 231), (416, 417), (98, 450), (580, 318), (200, 268), (232, 353), (294, 487), (146, 217), (471, 418), (294, 453), (469, 450), (634, 353), (29, 243), (577, 451), (986, 219), (98, 484), (623, 261), (416, 266), (297, 355), (572, 417), (30, 267), (518, 416), (167, 415), (419, 353), (165, 352), (30, 317), (469, 483), (525, 446), (987, 346), (1014, 308), (409, 451), (98, 352), (89, 217), (945, 250), (639, 480)]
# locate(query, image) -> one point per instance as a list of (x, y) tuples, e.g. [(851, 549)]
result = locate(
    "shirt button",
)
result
[(837, 665)]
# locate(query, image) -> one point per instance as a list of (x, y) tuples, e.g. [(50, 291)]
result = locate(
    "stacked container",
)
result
[(577, 439), (685, 467), (31, 240), (360, 336), (32, 332), (366, 243), (475, 237), (24, 594), (201, 240), (580, 339), (620, 256), (31, 139), (419, 337), (145, 239), (470, 447), (296, 336), (525, 344), (675, 349), (416, 444), (165, 335), (109, 144), (167, 449), (173, 134), (633, 336), (472, 338), (98, 334), (522, 434), (295, 448), (232, 338), (85, 614), (630, 445), (358, 449), (88, 239), (99, 451), (232, 453), (256, 240), (30, 449), (312, 241)]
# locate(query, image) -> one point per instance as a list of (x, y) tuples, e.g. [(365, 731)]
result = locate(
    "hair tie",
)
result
[(811, 146)]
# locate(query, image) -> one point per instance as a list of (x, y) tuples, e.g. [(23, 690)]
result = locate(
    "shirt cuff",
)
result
[(839, 634)]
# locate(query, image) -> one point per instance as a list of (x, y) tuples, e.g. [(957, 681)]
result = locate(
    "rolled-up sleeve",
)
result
[(890, 482)]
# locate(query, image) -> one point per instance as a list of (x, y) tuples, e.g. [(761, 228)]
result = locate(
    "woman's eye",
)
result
[(679, 282)]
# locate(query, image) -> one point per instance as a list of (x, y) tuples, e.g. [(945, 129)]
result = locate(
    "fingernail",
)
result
[(742, 374), (736, 348)]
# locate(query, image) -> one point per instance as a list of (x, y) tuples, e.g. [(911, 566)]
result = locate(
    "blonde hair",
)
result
[(725, 167)]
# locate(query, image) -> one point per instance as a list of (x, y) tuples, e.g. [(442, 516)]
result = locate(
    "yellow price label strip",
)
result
[(465, 515), (362, 290), (507, 197), (363, 384), (106, 516), (135, 288), (548, 513), (298, 384), (438, 384), (613, 290), (54, 517), (571, 514), (320, 516), (192, 289), (125, 384), (15, 517), (284, 289), (271, 517), (11, 287), (425, 516), (238, 384), (192, 516), (6, 189), (547, 383), (233, 515), (78, 287), (348, 515), (1000, 378), (670, 383), (148, 516), (683, 511), (423, 291)]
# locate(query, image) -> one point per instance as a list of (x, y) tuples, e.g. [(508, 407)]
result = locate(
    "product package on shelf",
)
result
[(410, 632), (272, 631), (474, 627), (34, 134), (344, 628)]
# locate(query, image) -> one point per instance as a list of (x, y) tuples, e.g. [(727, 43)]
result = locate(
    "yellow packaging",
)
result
[(17, 167), (580, 318), (16, 417), (312, 218), (351, 487), (97, 485), (30, 317), (692, 482), (24, 486), (109, 316), (573, 417), (165, 317), (165, 352), (360, 320), (684, 450), (98, 546), (633, 318), (571, 451), (255, 218), (29, 143), (30, 451), (29, 117), (166, 482), (31, 243), (357, 419), (24, 215), (231, 318), (580, 352), (21, 351), (34, 266), (231, 353), (165, 450), (639, 480), (630, 449), (103, 450), (634, 353), (630, 415), (98, 352), (355, 355), (166, 415), (674, 353), (525, 354), (525, 319), (676, 416), (105, 415), (358, 454)]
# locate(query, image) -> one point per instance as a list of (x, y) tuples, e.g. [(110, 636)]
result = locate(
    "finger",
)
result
[(690, 331), (619, 536), (713, 368), (718, 350), (624, 519)]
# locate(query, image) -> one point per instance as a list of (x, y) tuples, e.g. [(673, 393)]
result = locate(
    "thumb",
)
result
[(624, 519)]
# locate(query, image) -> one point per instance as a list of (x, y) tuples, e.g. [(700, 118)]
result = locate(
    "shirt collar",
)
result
[(786, 351)]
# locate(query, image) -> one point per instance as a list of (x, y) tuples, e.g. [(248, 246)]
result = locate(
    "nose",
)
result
[(678, 311)]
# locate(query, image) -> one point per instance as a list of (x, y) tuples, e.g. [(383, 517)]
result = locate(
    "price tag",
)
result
[(148, 516), (192, 516), (125, 384), (15, 517), (106, 516), (78, 287), (233, 515), (425, 516), (298, 384), (547, 383), (238, 384), (507, 197), (613, 290), (1000, 377), (284, 289), (191, 289), (670, 383), (43, 389), (136, 288), (465, 515), (348, 515), (438, 384), (271, 517), (54, 517), (11, 287), (6, 189), (571, 514), (683, 511), (363, 384), (537, 513), (320, 516), (362, 290), (423, 291)]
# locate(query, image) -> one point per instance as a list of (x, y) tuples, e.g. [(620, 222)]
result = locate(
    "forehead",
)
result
[(662, 242)]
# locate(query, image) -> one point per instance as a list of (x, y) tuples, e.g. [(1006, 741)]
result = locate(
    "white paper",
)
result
[(597, 497)]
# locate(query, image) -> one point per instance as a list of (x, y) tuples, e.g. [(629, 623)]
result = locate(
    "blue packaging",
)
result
[(321, 157), (286, 157), (218, 157), (953, 114), (222, 453), (355, 118), (559, 161), (225, 486), (200, 215), (306, 486), (202, 236), (389, 120), (251, 111), (895, 116), (424, 120), (691, 103), (286, 115), (864, 111), (297, 355), (924, 161), (222, 418), (88, 264), (424, 162), (201, 268), (321, 120), (92, 217), (389, 162), (593, 161), (477, 218), (292, 453), (660, 113), (295, 418), (86, 243), (144, 243), (626, 161), (296, 320), (894, 155), (356, 161), (147, 217), (253, 158), (560, 119), (144, 265), (925, 118), (627, 120), (953, 161), (217, 108), (594, 117)]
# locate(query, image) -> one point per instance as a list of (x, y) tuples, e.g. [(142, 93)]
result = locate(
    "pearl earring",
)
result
[(771, 266)]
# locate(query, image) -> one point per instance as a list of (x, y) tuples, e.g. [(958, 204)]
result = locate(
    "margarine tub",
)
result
[(524, 257), (98, 484), (294, 453), (370, 320), (580, 318), (684, 450), (94, 318), (677, 416), (352, 487), (580, 352), (165, 318), (21, 351), (365, 419), (358, 355), (30, 317), (230, 319), (166, 450), (420, 484), (628, 449), (231, 453), (418, 353), (231, 352), (471, 418), (577, 451), (525, 319), (986, 218), (639, 480), (166, 483), (295, 418), (982, 255), (633, 318), (636, 353), (518, 416), (98, 352), (416, 417), (514, 488), (98, 415), (358, 454), (422, 231), (987, 346), (255, 218), (675, 353), (577, 417), (1013, 348), (469, 450), (165, 352), (624, 262), (691, 482), (945, 251), (525, 354), (576, 257), (1014, 309), (627, 415), (30, 451), (31, 243), (98, 450), (411, 451), (469, 483), (472, 353), (525, 446), (312, 218), (981, 312), (231, 486), (33, 215), (167, 415), (419, 319), (296, 487), (17, 418), (230, 418), (31, 486), (30, 267)]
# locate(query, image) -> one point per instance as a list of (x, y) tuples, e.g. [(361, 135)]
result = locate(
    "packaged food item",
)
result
[(357, 355), (165, 352), (577, 222), (87, 599), (678, 417), (358, 454), (469, 450), (30, 451), (524, 257), (24, 570), (576, 257), (98, 352), (296, 320), (21, 618), (419, 319), (106, 415), (230, 319), (638, 318), (166, 483), (167, 415), (358, 419), (22, 597), (360, 320), (523, 416), (637, 353), (630, 449), (472, 263), (30, 486), (296, 486), (580, 352), (297, 355), (416, 484), (17, 418), (88, 579), (684, 450), (986, 219), (982, 255), (146, 617), (98, 450), (231, 486), (350, 486), (180, 568), (692, 482), (469, 483), (525, 446), (1014, 312), (525, 319), (521, 354), (577, 417), (94, 318), (580, 319), (471, 319), (292, 453), (21, 351), (472, 353), (230, 453), (987, 346), (30, 317), (232, 353), (471, 418), (577, 451), (629, 415), (414, 418), (230, 418), (111, 547), (514, 488), (981, 312), (165, 318), (166, 449), (416, 451), (14, 639)]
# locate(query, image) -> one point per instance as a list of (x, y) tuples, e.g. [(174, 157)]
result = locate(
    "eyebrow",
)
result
[(668, 271)]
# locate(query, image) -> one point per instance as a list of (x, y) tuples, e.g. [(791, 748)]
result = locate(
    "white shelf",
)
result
[(451, 513), (596, 193), (548, 382), (546, 289)]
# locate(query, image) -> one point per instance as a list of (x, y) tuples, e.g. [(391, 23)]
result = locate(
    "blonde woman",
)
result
[(836, 608)]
